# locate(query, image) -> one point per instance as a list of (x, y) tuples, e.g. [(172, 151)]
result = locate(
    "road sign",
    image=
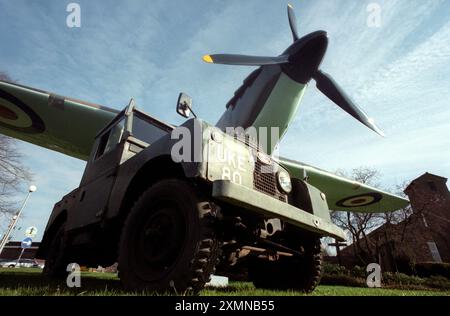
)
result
[(26, 243), (31, 232)]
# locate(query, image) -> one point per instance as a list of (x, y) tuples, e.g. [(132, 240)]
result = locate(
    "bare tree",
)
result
[(12, 171), (402, 216), (5, 77), (359, 224)]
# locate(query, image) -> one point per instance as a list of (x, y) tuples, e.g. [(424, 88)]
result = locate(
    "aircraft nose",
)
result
[(305, 56), (313, 36)]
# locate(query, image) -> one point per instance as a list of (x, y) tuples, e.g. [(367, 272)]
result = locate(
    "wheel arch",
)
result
[(162, 167), (50, 233)]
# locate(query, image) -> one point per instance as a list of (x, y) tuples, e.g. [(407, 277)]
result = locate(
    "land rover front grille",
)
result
[(265, 181), (265, 175)]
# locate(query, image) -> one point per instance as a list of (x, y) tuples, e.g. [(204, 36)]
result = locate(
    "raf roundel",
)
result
[(360, 200), (7, 113), (17, 116)]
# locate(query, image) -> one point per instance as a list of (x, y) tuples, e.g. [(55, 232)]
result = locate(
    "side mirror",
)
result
[(184, 105)]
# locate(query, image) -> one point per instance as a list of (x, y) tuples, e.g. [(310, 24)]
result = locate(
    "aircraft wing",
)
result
[(345, 194), (45, 119)]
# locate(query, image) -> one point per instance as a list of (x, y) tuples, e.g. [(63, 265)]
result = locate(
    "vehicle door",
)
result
[(99, 176)]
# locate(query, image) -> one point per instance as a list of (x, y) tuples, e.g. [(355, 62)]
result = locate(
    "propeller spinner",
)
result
[(301, 62)]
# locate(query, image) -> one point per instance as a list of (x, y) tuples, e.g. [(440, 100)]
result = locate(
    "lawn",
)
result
[(30, 282)]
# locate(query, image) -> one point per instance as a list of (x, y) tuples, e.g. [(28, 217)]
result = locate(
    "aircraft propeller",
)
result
[(301, 61)]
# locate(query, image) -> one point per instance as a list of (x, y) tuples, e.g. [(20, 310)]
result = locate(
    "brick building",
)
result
[(12, 251), (430, 199), (423, 236)]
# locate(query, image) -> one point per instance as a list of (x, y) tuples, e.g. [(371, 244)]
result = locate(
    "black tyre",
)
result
[(169, 242), (55, 262), (289, 273)]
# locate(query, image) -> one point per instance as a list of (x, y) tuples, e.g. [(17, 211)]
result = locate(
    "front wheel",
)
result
[(55, 262), (169, 242)]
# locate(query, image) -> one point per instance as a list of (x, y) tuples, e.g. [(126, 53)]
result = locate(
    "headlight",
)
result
[(217, 136), (284, 182)]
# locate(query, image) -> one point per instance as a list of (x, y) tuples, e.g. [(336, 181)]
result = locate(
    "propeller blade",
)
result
[(331, 89), (243, 60), (293, 22)]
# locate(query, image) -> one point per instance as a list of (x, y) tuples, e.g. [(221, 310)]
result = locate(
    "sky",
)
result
[(398, 72)]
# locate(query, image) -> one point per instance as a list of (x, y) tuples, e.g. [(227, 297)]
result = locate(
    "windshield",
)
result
[(146, 130)]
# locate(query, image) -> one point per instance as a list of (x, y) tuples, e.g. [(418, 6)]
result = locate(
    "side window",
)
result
[(111, 139)]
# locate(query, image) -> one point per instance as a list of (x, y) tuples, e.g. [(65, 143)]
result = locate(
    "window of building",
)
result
[(434, 251), (432, 186)]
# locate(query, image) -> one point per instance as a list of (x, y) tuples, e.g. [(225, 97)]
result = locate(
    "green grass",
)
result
[(29, 282)]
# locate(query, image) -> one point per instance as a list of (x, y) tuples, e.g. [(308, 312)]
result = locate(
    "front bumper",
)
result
[(265, 205)]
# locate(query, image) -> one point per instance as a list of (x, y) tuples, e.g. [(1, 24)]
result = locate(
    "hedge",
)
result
[(356, 277), (429, 269)]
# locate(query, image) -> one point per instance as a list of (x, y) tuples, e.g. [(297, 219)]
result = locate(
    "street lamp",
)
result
[(14, 220)]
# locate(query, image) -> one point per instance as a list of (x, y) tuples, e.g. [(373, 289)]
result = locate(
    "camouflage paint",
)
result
[(61, 124), (280, 108)]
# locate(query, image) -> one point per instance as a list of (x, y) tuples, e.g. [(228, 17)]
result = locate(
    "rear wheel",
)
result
[(55, 262), (289, 273), (169, 243)]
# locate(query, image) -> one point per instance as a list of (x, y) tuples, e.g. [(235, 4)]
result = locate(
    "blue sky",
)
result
[(151, 50)]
